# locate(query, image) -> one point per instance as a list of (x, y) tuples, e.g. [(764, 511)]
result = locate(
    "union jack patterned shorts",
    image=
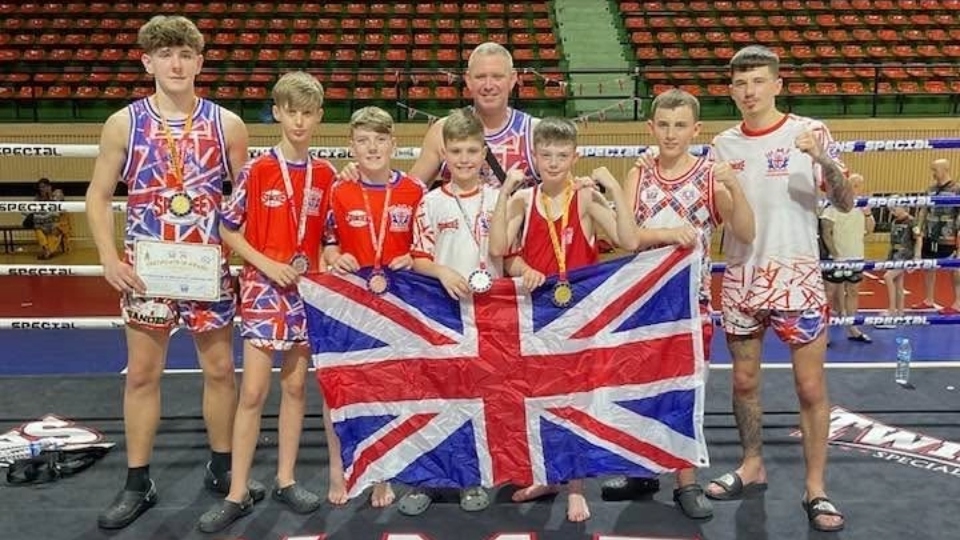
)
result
[(792, 327), (271, 317), (165, 313)]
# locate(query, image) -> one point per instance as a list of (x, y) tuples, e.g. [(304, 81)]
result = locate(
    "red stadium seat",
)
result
[(852, 87)]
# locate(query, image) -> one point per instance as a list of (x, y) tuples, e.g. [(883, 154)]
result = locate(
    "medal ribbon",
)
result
[(559, 247), (475, 230), (173, 145), (377, 240), (299, 217)]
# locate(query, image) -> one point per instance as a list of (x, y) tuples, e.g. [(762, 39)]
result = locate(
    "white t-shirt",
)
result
[(780, 269), (848, 231), (452, 234)]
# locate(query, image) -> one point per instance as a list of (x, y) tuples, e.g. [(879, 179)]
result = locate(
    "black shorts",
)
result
[(843, 276), (942, 251)]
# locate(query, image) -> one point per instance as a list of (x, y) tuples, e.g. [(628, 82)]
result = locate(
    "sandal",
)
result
[(861, 337), (822, 506), (414, 503), (622, 488), (693, 502), (733, 487), (474, 499)]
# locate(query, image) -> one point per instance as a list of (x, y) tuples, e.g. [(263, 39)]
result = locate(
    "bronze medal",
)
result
[(378, 283), (300, 263)]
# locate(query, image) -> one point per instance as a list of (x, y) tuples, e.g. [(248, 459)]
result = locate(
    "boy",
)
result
[(450, 243), (700, 195), (559, 224), (274, 221), (174, 150), (370, 224), (903, 247)]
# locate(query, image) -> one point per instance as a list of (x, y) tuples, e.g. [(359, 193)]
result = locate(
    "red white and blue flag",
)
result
[(508, 388)]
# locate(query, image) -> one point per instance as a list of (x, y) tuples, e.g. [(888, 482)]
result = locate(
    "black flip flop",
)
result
[(733, 487), (822, 506)]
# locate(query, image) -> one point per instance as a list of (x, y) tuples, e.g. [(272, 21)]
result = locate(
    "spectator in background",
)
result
[(843, 234), (938, 232), (49, 226), (903, 247)]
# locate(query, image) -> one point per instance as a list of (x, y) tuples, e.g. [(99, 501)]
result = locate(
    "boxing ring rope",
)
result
[(411, 153), (48, 323)]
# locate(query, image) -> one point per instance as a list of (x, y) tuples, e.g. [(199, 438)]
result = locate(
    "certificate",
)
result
[(176, 270)]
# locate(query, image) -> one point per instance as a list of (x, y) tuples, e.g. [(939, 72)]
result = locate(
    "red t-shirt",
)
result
[(348, 224), (261, 205)]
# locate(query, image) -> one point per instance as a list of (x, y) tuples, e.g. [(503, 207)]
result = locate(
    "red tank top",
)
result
[(537, 249)]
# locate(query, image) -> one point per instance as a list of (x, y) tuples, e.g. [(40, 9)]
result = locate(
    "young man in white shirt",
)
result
[(783, 162)]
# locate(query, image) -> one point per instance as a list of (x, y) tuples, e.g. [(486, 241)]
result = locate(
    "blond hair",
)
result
[(755, 56), (169, 31), (461, 125), (674, 99), (373, 119), (554, 131), (491, 48), (298, 90)]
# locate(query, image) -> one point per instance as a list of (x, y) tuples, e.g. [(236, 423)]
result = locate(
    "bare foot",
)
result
[(534, 492), (577, 509), (382, 495), (337, 494)]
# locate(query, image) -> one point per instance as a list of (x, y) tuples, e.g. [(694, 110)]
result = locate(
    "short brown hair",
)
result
[(298, 90), (755, 56), (461, 125), (674, 99), (372, 118), (169, 31), (554, 131)]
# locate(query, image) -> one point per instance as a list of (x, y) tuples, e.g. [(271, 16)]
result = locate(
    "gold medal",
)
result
[(181, 205), (300, 263), (562, 291), (377, 283), (480, 280), (562, 294)]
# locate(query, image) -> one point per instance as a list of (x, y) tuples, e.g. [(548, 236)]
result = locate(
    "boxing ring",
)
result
[(895, 452)]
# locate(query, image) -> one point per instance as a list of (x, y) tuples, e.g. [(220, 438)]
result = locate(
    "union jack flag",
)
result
[(508, 388)]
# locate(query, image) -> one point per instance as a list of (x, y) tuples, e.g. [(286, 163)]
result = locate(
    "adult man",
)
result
[(174, 151), (776, 281), (842, 235), (937, 228), (490, 78)]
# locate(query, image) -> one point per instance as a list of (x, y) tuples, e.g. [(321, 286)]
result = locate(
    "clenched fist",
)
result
[(724, 173), (807, 143)]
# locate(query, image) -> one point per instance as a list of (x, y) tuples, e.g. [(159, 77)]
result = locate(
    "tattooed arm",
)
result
[(835, 183), (839, 189)]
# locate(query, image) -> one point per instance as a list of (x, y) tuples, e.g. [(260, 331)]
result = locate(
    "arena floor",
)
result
[(887, 493)]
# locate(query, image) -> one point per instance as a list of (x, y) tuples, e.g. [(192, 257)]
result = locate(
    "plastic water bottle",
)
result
[(904, 356), (26, 450)]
